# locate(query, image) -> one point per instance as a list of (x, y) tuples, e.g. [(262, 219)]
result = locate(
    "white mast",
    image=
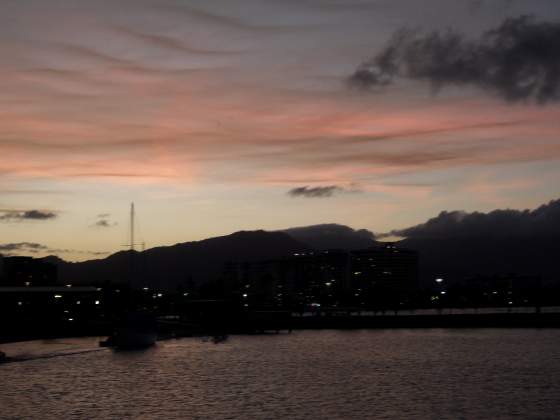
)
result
[(132, 244), (132, 226)]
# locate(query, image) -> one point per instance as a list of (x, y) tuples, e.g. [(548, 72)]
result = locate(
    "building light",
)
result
[(70, 319), (185, 294), (68, 285), (20, 303), (244, 295), (27, 283), (57, 296), (328, 284), (97, 302), (439, 280), (159, 294), (357, 273), (78, 302), (145, 288), (443, 292)]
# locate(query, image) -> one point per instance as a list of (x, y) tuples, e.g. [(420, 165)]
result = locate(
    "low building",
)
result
[(49, 303), (27, 272)]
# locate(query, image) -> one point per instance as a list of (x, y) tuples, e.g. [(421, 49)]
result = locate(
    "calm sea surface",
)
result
[(378, 374)]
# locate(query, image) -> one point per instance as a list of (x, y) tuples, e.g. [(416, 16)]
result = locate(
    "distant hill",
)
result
[(332, 236), (458, 244), (170, 266), (457, 258), (454, 245)]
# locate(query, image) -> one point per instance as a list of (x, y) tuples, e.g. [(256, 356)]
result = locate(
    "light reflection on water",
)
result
[(382, 374)]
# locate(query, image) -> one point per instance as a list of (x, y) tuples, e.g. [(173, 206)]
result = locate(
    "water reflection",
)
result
[(484, 374)]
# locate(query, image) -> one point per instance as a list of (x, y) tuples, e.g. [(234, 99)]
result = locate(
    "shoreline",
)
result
[(401, 321)]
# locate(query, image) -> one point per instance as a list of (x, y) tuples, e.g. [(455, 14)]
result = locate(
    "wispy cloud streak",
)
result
[(23, 215), (318, 192)]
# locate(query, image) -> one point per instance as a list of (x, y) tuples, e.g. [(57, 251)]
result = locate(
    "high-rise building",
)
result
[(329, 278)]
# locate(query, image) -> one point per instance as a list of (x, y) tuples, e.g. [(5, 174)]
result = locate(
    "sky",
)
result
[(222, 115)]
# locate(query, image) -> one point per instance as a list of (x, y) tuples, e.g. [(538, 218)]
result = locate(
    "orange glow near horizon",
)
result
[(208, 116)]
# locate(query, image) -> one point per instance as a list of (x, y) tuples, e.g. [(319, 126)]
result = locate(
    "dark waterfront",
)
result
[(381, 374)]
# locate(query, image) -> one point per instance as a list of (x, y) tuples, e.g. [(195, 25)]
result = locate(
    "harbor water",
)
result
[(330, 374)]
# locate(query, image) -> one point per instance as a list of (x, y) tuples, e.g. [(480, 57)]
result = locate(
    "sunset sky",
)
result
[(208, 113)]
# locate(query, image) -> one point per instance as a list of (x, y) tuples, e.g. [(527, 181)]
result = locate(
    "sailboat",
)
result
[(137, 328)]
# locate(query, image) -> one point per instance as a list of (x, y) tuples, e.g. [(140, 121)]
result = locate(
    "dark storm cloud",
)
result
[(19, 215), (317, 192), (518, 61), (543, 221)]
